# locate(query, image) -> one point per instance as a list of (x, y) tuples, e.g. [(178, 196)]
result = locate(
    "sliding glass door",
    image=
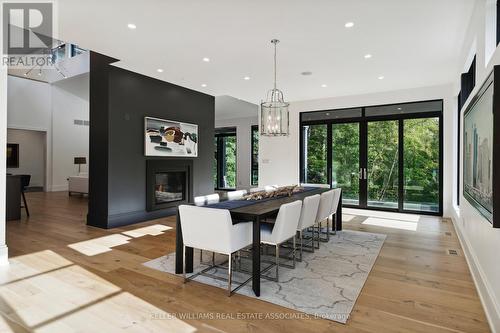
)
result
[(345, 161), (421, 164), (383, 158), (382, 171)]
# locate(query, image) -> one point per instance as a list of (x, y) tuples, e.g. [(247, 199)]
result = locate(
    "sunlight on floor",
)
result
[(104, 244), (153, 230), (383, 215), (389, 223), (347, 217), (72, 299), (99, 245)]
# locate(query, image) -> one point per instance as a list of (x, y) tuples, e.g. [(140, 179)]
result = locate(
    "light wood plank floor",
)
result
[(65, 275)]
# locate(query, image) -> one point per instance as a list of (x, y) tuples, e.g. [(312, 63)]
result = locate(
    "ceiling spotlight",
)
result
[(381, 77), (306, 73), (368, 56), (246, 78), (203, 85), (324, 85), (206, 59), (131, 26), (159, 70), (349, 24), (399, 109)]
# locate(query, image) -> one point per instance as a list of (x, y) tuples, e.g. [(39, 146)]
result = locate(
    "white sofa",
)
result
[(78, 184)]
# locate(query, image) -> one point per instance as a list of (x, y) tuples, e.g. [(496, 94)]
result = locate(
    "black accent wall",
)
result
[(120, 135)]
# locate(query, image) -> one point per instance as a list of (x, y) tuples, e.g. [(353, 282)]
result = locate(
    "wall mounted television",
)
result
[(481, 149), (12, 155)]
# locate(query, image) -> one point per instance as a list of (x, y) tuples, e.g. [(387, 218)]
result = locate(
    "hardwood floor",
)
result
[(415, 285)]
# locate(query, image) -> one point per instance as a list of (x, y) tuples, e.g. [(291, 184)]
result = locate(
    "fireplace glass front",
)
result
[(170, 187)]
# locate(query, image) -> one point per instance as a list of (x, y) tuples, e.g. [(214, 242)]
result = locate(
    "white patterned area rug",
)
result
[(325, 284)]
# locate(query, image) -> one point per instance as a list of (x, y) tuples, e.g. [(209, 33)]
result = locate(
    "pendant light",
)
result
[(274, 110)]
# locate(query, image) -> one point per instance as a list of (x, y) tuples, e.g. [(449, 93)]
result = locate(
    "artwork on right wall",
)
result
[(478, 152)]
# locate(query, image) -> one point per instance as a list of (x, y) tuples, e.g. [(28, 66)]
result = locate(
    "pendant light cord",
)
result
[(275, 42)]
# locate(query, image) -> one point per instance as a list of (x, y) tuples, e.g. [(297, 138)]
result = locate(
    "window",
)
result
[(467, 83), (386, 157), (315, 154), (255, 156), (224, 171)]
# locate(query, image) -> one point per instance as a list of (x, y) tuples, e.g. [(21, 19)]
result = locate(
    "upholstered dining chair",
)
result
[(324, 212), (284, 228), (207, 199), (236, 195), (212, 229), (307, 219), (335, 204)]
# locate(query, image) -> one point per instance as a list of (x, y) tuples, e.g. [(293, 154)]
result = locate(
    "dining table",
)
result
[(243, 210)]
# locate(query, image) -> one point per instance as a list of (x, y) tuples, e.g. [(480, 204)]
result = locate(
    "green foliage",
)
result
[(421, 160)]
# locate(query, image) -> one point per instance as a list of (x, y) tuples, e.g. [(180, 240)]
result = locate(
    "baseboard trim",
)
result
[(490, 304)]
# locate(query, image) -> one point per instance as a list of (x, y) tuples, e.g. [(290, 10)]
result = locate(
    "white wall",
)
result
[(279, 156), (53, 108), (70, 101), (29, 108), (480, 241), (248, 111), (31, 154)]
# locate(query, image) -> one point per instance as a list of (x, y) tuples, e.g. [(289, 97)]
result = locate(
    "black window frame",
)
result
[(254, 160), (220, 134), (363, 120)]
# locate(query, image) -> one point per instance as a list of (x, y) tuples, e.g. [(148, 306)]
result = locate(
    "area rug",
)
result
[(325, 284)]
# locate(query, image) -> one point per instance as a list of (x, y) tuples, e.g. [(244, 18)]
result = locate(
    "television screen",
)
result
[(12, 155), (478, 153)]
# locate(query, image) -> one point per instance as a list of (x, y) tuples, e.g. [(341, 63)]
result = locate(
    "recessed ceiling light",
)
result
[(324, 85), (381, 77), (306, 73), (159, 70), (349, 24), (203, 85), (206, 59), (131, 26), (246, 78), (368, 56)]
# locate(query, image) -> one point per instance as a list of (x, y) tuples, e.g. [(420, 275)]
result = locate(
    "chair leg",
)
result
[(302, 244), (328, 229), (229, 275), (25, 204), (201, 256), (184, 263), (293, 251), (277, 261), (213, 258)]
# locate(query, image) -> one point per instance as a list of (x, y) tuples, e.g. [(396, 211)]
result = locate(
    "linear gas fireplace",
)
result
[(168, 183)]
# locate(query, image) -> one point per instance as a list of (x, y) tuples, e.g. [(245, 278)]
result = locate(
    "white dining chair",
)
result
[(211, 229), (206, 199), (324, 211), (335, 204), (307, 219), (284, 228), (236, 195)]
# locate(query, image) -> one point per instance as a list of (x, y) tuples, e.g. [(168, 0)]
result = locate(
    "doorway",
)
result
[(383, 157)]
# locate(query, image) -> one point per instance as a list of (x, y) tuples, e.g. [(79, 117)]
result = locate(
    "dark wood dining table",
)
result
[(255, 211)]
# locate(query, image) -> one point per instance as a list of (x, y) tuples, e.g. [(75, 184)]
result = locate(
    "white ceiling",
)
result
[(413, 43)]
